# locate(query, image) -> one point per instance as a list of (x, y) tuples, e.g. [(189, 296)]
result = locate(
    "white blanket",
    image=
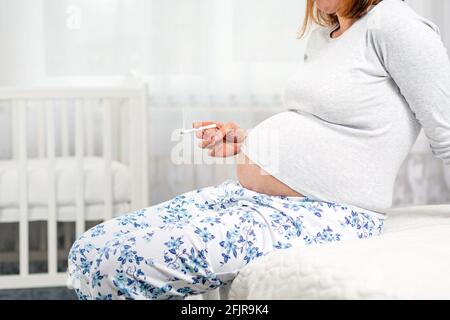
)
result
[(411, 260)]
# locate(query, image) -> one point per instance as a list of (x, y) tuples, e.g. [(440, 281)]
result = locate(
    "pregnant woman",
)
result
[(374, 74)]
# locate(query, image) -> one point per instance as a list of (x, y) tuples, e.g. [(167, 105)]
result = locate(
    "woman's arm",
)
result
[(412, 52)]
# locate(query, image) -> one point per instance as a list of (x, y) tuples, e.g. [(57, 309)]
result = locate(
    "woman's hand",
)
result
[(223, 141)]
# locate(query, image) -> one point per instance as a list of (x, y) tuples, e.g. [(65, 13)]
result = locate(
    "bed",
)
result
[(411, 260)]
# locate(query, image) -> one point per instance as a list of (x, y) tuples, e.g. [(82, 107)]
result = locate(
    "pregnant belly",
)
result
[(253, 177)]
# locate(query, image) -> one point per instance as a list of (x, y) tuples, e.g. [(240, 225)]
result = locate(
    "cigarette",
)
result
[(186, 131)]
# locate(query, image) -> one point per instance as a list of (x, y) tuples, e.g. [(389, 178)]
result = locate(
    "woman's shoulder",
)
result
[(393, 17), (320, 31), (317, 37)]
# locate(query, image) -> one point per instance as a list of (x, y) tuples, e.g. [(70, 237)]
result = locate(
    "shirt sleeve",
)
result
[(412, 52)]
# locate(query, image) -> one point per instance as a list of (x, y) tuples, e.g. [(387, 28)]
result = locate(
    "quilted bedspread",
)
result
[(411, 260)]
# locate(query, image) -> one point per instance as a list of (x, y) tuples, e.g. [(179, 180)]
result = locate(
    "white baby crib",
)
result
[(68, 164)]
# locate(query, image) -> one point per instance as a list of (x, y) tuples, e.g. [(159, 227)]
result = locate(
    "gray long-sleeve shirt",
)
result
[(360, 101)]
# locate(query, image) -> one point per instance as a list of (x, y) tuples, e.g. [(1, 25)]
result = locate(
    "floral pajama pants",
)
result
[(199, 241)]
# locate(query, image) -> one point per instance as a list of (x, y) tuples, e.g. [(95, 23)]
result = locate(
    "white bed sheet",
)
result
[(38, 182), (411, 260), (93, 212)]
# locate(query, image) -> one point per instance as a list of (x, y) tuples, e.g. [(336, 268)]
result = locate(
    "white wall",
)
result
[(21, 42), (437, 11)]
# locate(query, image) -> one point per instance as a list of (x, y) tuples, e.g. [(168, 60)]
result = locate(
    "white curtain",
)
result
[(204, 59), (183, 46)]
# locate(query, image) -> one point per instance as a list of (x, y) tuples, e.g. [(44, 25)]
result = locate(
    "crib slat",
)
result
[(14, 131), (51, 162), (134, 156), (124, 111), (90, 138), (107, 156), (64, 128), (23, 187), (40, 133), (79, 155)]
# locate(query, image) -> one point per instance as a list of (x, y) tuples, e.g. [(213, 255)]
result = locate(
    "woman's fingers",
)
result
[(208, 139), (205, 134), (230, 132), (205, 144), (238, 135), (223, 133), (199, 134), (224, 150)]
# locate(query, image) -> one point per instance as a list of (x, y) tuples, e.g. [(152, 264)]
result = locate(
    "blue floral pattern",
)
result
[(200, 240)]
